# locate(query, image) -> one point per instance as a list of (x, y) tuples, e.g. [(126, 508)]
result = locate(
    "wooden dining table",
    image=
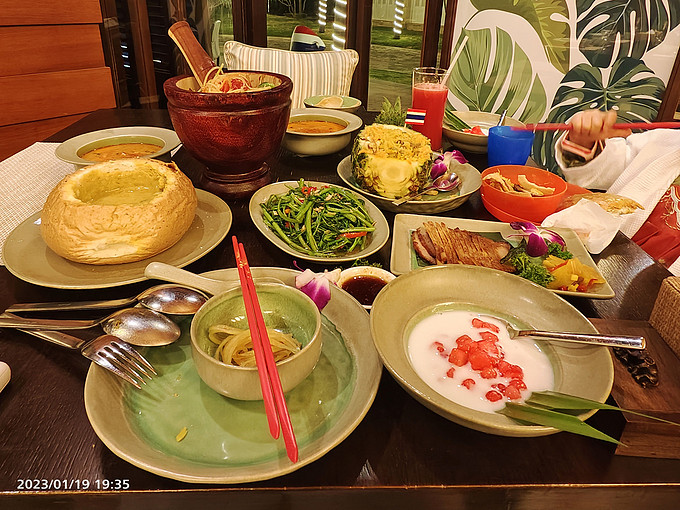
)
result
[(399, 456)]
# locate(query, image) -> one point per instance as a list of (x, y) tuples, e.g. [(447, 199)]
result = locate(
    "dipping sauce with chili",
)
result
[(364, 288)]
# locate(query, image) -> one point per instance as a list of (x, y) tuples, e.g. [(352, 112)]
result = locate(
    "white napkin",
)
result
[(25, 181), (595, 227)]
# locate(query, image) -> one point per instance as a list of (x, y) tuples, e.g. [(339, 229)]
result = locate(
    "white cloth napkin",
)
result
[(594, 226), (25, 181)]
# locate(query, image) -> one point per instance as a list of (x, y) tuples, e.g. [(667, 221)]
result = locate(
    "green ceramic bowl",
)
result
[(320, 144), (285, 309), (581, 370)]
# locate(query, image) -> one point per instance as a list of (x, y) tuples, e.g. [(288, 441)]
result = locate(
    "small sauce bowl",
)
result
[(364, 282)]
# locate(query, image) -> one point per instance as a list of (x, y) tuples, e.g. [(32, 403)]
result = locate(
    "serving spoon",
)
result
[(168, 299), (137, 326), (445, 182)]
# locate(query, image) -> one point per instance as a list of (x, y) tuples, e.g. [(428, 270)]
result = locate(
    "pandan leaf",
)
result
[(556, 400), (547, 418)]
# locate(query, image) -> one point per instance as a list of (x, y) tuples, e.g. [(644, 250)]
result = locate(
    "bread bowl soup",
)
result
[(118, 211)]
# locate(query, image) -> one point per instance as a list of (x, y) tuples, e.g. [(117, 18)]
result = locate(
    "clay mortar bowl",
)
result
[(232, 134)]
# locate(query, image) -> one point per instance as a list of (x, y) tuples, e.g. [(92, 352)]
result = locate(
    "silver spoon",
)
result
[(168, 299), (137, 326), (445, 182), (627, 342)]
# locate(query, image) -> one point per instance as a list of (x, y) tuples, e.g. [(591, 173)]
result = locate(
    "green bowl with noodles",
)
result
[(222, 349)]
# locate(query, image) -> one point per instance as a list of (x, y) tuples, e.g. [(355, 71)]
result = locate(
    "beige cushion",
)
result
[(313, 73)]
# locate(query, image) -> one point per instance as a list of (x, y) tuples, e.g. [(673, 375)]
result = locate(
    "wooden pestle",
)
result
[(198, 59)]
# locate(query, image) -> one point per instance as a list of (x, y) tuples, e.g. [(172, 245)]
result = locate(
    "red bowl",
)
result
[(500, 214), (532, 208), (233, 134)]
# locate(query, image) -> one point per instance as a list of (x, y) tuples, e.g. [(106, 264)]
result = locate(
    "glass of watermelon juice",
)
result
[(429, 94)]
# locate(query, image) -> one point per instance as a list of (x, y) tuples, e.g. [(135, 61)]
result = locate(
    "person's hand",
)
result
[(592, 125)]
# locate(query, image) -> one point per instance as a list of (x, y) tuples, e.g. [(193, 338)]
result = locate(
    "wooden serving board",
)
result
[(644, 437)]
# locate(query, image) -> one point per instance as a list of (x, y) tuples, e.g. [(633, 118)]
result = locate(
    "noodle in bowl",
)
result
[(286, 310)]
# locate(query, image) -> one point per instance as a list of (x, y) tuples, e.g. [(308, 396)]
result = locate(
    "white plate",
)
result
[(404, 259), (378, 238), (68, 151), (228, 441), (470, 179), (27, 256)]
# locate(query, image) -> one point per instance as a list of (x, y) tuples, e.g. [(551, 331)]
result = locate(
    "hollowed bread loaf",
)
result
[(118, 211)]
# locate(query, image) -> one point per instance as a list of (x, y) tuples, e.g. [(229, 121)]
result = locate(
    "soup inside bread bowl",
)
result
[(118, 211)]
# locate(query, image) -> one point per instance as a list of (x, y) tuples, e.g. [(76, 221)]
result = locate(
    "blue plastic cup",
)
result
[(507, 146)]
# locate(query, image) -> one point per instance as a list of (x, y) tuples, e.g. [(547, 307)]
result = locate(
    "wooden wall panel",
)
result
[(49, 12), (40, 96), (17, 137), (41, 49)]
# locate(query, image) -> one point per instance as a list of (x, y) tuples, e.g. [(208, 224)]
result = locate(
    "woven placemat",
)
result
[(25, 181), (665, 315)]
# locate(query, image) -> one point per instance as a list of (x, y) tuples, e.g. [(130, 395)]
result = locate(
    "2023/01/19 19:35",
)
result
[(48, 484)]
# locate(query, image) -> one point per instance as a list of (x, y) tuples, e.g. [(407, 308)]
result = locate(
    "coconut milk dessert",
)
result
[(474, 363)]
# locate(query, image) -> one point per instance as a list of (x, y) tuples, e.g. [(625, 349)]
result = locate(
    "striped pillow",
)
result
[(313, 73)]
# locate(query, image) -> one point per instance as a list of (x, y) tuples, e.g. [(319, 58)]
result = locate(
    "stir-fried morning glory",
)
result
[(321, 221)]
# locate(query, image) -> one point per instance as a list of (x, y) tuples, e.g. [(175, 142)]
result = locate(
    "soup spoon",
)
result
[(168, 299), (137, 326), (169, 273), (445, 182)]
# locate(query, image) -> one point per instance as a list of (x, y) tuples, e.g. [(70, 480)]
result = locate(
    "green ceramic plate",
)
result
[(470, 179), (581, 370), (404, 259), (28, 257), (228, 441), (378, 238)]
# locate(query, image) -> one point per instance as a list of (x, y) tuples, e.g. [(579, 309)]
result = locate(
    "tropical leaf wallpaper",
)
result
[(545, 60)]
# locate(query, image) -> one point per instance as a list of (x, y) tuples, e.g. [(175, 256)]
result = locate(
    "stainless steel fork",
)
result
[(107, 351)]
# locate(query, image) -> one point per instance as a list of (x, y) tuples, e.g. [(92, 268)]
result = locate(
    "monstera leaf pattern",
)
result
[(484, 71), (637, 25), (632, 89), (549, 20)]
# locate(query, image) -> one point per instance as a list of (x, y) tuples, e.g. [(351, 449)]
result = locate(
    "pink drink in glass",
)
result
[(431, 97)]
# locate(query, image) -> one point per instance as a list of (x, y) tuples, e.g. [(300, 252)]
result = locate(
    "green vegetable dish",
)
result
[(324, 221)]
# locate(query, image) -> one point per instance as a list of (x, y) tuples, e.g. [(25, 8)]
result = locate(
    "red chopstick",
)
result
[(567, 127), (272, 391)]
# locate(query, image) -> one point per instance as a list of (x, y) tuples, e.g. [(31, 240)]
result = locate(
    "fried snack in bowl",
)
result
[(522, 191), (118, 211)]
